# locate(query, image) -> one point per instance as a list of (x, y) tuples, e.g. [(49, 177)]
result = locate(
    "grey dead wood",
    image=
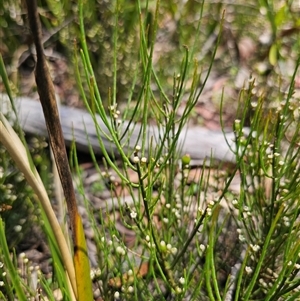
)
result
[(200, 143)]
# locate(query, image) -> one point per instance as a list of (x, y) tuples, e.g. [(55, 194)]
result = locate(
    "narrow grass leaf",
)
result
[(15, 278)]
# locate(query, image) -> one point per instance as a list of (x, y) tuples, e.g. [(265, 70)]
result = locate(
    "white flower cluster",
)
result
[(95, 273), (254, 248), (136, 158), (168, 248), (115, 113), (120, 250), (7, 194), (124, 289), (115, 243), (3, 274), (241, 236)]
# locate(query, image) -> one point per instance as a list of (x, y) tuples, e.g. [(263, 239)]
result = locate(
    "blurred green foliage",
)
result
[(18, 208), (273, 29)]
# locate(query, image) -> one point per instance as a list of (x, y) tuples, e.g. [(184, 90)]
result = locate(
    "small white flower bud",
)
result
[(174, 251), (162, 243), (120, 250), (117, 295), (130, 289), (248, 270), (133, 214), (130, 272), (136, 159)]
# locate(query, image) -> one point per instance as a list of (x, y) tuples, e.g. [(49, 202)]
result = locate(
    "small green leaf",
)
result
[(273, 55), (280, 16)]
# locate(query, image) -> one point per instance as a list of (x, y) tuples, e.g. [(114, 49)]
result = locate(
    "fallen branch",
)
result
[(200, 143)]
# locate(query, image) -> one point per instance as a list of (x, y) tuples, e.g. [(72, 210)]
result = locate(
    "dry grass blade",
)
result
[(17, 151)]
